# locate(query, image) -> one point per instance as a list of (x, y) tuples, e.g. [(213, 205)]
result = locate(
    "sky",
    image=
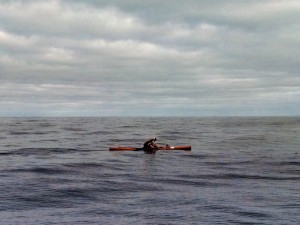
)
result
[(149, 58)]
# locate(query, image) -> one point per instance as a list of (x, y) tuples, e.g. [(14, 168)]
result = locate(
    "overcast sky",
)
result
[(150, 58)]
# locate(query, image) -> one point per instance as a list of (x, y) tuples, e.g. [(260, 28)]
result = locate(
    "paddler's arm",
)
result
[(155, 146)]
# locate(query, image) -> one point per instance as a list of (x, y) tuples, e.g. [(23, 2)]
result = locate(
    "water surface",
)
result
[(59, 171)]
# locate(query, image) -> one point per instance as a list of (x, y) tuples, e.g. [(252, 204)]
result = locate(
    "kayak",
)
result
[(167, 148)]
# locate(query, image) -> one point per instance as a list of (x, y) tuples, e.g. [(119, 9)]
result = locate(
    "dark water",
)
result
[(59, 171)]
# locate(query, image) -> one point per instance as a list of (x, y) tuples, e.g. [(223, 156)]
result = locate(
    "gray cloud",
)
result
[(132, 58)]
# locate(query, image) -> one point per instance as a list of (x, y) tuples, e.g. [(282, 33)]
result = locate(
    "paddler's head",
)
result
[(154, 139)]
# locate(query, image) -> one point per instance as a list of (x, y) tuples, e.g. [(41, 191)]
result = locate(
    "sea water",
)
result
[(60, 171)]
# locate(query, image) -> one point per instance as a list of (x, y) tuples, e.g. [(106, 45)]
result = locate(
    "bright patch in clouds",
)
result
[(129, 58)]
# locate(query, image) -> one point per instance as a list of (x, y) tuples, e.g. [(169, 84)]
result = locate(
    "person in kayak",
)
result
[(150, 147)]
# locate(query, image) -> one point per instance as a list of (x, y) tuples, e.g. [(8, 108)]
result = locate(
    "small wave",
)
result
[(72, 193), (287, 163), (250, 138), (195, 183), (42, 151), (242, 176), (48, 198), (100, 132), (44, 170), (6, 153), (73, 129), (18, 133), (195, 156), (223, 163), (46, 125), (129, 126), (256, 177), (44, 140), (41, 170), (89, 165), (252, 214)]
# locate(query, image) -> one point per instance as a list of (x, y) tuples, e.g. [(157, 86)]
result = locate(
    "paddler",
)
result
[(150, 147)]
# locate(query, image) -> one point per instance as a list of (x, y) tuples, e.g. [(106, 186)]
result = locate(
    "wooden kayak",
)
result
[(183, 147)]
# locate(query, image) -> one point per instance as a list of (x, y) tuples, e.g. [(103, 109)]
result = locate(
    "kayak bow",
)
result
[(183, 147)]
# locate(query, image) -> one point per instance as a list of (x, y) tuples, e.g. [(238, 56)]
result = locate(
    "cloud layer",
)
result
[(149, 58)]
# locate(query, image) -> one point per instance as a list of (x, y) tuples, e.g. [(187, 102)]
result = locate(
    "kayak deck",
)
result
[(183, 147)]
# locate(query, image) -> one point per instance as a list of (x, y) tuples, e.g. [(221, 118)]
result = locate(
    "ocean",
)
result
[(60, 171)]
